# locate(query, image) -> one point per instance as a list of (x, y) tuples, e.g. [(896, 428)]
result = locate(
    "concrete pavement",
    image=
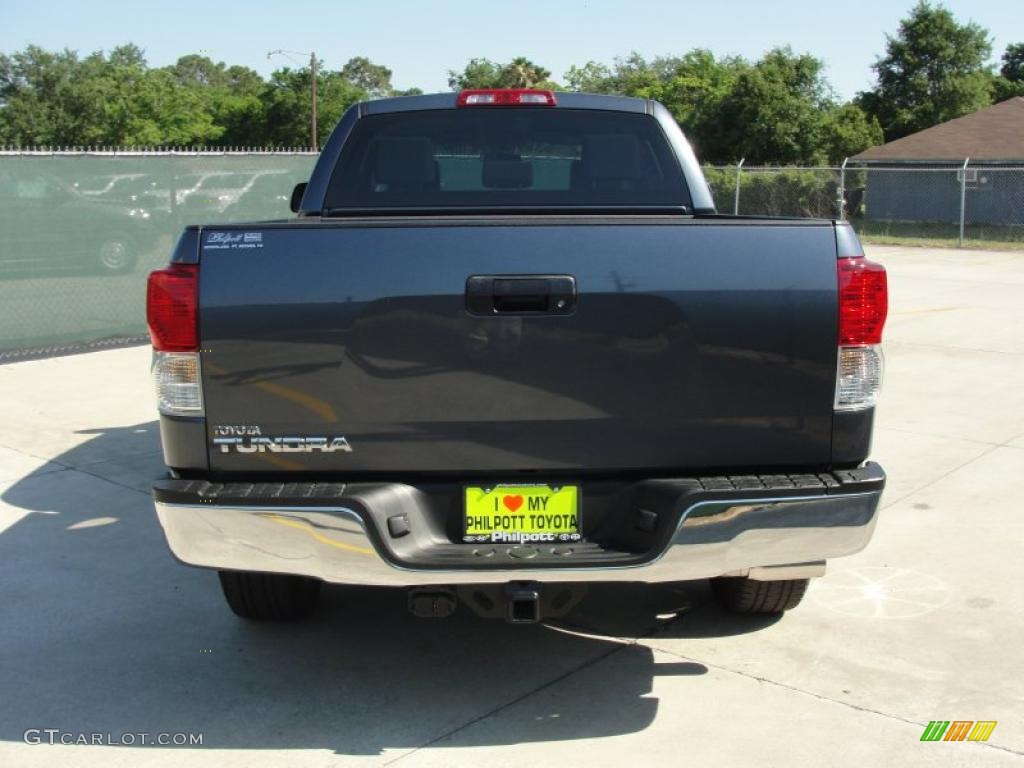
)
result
[(101, 631)]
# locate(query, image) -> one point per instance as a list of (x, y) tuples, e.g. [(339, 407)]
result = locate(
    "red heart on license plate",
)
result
[(512, 502)]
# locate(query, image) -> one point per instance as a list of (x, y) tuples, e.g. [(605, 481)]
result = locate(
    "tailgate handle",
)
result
[(520, 294)]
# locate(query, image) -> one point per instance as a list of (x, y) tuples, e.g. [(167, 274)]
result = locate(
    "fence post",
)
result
[(736, 202), (963, 199), (841, 201)]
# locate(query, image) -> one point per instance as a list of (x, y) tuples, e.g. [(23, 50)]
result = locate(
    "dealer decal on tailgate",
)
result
[(522, 513)]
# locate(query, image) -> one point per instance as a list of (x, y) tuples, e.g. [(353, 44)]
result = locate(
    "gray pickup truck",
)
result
[(505, 349)]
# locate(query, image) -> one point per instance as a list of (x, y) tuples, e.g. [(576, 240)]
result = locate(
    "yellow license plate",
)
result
[(522, 514)]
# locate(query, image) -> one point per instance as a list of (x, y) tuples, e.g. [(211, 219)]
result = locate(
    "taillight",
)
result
[(172, 305), (863, 305), (172, 298), (863, 301), (506, 97)]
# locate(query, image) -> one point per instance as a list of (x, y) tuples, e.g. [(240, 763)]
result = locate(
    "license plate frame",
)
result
[(522, 513)]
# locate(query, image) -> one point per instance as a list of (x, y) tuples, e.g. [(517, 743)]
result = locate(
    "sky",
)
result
[(421, 41)]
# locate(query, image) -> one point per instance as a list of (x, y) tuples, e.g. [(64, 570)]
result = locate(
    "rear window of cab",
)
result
[(506, 158)]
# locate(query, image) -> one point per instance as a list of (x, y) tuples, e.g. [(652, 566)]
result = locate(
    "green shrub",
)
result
[(775, 192)]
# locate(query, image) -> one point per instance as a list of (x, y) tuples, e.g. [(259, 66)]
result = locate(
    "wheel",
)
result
[(269, 596), (115, 256), (742, 595)]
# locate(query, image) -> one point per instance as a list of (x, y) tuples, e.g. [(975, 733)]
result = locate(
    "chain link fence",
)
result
[(775, 190), (952, 205), (81, 229)]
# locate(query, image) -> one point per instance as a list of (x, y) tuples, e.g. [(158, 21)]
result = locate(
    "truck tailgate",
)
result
[(693, 344)]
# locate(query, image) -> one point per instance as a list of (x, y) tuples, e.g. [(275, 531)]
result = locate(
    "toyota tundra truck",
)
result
[(505, 349)]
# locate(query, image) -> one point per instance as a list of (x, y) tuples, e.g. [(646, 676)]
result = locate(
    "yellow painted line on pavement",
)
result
[(306, 528), (279, 461), (320, 407)]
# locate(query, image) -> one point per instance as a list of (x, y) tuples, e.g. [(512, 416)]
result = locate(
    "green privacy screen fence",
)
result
[(80, 230)]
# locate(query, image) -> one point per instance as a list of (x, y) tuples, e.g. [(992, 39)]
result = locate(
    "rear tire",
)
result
[(269, 596), (742, 595)]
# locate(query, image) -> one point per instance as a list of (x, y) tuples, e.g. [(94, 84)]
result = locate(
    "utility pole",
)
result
[(313, 142)]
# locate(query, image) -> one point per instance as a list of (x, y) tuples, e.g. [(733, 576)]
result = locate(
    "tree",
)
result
[(778, 109), (60, 99), (523, 73), (286, 99), (592, 77), (484, 73), (630, 76), (230, 95), (847, 129), (1013, 63), (691, 86), (373, 79), (478, 73), (40, 106), (774, 112), (286, 104), (1010, 80), (934, 70)]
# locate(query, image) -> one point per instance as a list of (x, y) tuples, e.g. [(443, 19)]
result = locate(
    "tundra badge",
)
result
[(250, 439)]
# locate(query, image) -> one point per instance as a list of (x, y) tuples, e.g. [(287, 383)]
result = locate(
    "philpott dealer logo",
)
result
[(958, 730)]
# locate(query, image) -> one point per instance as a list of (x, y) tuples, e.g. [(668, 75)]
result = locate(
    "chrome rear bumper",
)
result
[(727, 534)]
